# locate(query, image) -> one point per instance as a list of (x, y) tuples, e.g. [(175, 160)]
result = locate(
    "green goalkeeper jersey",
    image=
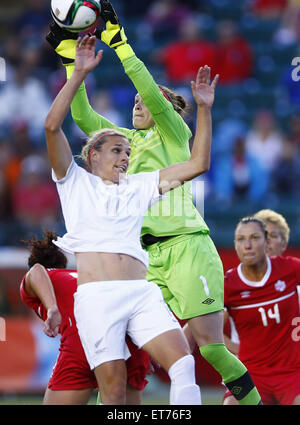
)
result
[(164, 144)]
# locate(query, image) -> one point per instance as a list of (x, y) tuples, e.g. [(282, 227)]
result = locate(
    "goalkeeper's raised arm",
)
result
[(165, 106), (64, 43)]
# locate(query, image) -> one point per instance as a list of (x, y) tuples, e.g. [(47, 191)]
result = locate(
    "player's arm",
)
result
[(199, 162), (38, 284), (64, 43), (296, 265), (59, 150), (169, 122)]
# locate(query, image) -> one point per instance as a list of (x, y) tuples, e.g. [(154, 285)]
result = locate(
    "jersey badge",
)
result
[(280, 285)]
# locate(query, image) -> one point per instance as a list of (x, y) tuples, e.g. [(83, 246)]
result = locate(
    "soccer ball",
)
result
[(75, 15)]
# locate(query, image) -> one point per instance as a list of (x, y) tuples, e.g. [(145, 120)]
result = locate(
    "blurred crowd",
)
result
[(256, 140)]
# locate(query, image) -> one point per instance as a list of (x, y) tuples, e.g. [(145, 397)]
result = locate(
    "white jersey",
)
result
[(105, 218)]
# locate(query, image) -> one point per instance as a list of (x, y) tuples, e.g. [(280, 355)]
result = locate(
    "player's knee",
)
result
[(113, 388), (183, 369), (183, 386), (115, 391), (213, 353)]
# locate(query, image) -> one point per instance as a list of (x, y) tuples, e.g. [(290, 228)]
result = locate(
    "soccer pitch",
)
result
[(156, 394)]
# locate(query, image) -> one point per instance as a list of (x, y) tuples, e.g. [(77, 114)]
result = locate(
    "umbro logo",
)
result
[(236, 390), (208, 301)]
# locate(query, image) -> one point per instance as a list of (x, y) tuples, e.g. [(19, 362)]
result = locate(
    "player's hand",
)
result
[(63, 42), (86, 58), (203, 90), (114, 34), (53, 321), (108, 13)]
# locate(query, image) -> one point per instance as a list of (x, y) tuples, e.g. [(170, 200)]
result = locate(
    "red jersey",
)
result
[(64, 283), (263, 314)]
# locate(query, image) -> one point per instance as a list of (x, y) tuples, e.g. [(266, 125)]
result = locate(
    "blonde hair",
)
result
[(95, 142), (270, 216)]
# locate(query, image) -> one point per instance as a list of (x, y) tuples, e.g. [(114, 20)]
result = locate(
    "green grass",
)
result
[(155, 394)]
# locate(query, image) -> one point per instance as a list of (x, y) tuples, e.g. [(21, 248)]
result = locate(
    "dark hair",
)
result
[(252, 219), (178, 102), (45, 252)]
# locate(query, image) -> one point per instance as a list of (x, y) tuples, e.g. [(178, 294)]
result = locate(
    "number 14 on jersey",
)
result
[(270, 313)]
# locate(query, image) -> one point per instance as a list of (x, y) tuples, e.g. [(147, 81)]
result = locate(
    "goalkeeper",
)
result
[(183, 260)]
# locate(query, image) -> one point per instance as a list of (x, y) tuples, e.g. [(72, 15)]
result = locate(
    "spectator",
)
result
[(33, 19), (34, 198), (165, 16), (183, 57), (103, 104), (289, 32), (4, 210), (225, 135), (24, 98), (264, 141), (286, 174), (242, 176), (234, 58), (268, 9), (132, 8), (294, 133), (10, 50)]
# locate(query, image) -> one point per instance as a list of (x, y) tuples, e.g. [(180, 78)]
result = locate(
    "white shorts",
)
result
[(105, 311)]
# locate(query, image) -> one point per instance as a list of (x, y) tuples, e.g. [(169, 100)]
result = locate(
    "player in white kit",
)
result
[(103, 212)]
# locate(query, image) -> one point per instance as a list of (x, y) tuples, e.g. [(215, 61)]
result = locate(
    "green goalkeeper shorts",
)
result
[(190, 274)]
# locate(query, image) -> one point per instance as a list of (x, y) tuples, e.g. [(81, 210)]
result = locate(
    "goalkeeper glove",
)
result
[(114, 34), (108, 13), (63, 42)]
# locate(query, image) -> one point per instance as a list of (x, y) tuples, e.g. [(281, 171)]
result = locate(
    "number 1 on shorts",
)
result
[(205, 286)]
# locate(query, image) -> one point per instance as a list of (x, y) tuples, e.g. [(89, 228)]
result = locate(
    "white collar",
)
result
[(262, 281)]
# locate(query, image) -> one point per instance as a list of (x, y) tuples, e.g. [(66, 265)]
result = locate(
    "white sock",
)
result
[(183, 384)]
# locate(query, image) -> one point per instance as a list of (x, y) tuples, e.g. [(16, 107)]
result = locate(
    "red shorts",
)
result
[(72, 371), (276, 387)]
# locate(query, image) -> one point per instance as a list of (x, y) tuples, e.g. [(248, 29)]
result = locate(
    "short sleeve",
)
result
[(70, 172), (32, 302), (66, 185), (296, 265), (149, 187), (155, 195)]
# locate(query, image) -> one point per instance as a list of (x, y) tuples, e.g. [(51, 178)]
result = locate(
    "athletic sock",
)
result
[(183, 385), (233, 372)]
